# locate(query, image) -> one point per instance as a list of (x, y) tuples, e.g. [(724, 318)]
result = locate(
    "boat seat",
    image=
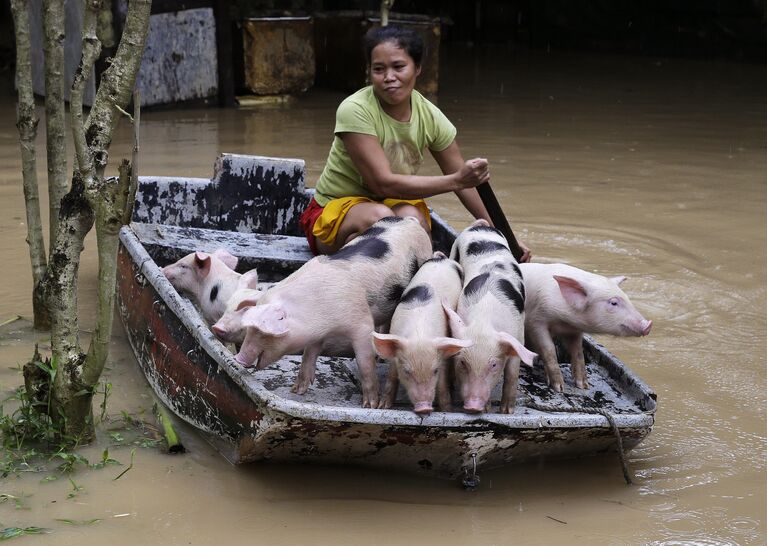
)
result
[(275, 256)]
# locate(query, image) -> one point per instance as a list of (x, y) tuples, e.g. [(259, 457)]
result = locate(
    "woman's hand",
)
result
[(527, 254), (473, 173)]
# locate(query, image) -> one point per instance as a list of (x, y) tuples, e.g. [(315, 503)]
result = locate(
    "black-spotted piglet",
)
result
[(417, 344), (491, 314), (209, 280), (336, 300)]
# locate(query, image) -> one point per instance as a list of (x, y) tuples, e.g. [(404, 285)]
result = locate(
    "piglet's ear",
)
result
[(450, 346), (251, 301), (573, 291), (387, 345), (229, 260), (269, 320), (457, 326), (511, 346), (249, 279), (202, 262), (618, 279)]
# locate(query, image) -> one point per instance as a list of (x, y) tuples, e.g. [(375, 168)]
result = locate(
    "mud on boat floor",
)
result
[(337, 384)]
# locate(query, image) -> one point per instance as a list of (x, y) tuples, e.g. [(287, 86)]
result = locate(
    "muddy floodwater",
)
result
[(646, 167)]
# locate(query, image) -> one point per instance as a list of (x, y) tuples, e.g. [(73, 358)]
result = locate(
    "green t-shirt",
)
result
[(403, 143)]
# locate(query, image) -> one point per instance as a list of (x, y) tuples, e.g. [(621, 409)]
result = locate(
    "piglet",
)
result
[(229, 326), (209, 280), (334, 301), (565, 301), (490, 313), (417, 343)]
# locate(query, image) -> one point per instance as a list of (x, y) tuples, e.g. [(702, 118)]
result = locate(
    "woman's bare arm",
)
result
[(450, 159), (372, 164)]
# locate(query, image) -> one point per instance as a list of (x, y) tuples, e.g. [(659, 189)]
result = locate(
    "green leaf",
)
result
[(121, 474), (47, 369), (79, 522), (14, 532)]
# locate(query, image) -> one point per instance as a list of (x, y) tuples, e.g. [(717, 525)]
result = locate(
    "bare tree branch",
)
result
[(113, 92), (91, 51), (126, 196), (26, 121), (58, 183), (113, 199)]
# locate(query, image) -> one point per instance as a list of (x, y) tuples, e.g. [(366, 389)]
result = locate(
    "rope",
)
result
[(577, 408)]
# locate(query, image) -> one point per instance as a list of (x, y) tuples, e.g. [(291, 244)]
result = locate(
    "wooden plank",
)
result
[(274, 256)]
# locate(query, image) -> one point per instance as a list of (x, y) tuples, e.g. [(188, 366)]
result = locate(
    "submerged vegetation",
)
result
[(33, 445)]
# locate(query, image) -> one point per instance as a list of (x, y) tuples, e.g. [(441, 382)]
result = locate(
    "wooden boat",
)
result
[(251, 207)]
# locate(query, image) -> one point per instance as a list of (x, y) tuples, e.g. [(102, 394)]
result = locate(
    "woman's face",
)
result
[(392, 73)]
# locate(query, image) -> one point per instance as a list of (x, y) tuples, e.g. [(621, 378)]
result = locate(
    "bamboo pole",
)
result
[(169, 432)]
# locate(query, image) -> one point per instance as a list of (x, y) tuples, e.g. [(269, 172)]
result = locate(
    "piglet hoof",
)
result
[(581, 383), (369, 401), (557, 386), (299, 387), (423, 409), (384, 404), (240, 360), (507, 406)]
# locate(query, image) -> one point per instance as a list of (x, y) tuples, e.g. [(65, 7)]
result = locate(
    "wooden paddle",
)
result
[(499, 219)]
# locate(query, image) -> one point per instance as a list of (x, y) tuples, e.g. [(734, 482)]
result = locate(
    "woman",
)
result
[(381, 133)]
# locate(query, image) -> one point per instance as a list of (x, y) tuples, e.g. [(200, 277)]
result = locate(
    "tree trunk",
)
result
[(109, 220), (92, 195), (67, 407), (26, 121), (55, 127)]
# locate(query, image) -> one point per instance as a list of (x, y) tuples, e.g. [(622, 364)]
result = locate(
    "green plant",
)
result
[(75, 489), (13, 532), (70, 461), (105, 460), (106, 391), (79, 522)]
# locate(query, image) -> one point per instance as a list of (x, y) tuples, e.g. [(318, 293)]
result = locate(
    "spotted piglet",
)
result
[(491, 314), (566, 301), (209, 280), (335, 300), (417, 345)]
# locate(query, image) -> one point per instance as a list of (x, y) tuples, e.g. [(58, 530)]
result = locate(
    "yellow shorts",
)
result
[(326, 227)]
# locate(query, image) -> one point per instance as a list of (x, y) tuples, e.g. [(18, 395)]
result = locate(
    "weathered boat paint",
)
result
[(253, 416)]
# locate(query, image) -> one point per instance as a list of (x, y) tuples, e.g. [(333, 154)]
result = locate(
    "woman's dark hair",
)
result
[(405, 38)]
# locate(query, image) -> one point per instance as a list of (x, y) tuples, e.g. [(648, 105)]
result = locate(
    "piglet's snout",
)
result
[(473, 405), (637, 328), (646, 327)]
